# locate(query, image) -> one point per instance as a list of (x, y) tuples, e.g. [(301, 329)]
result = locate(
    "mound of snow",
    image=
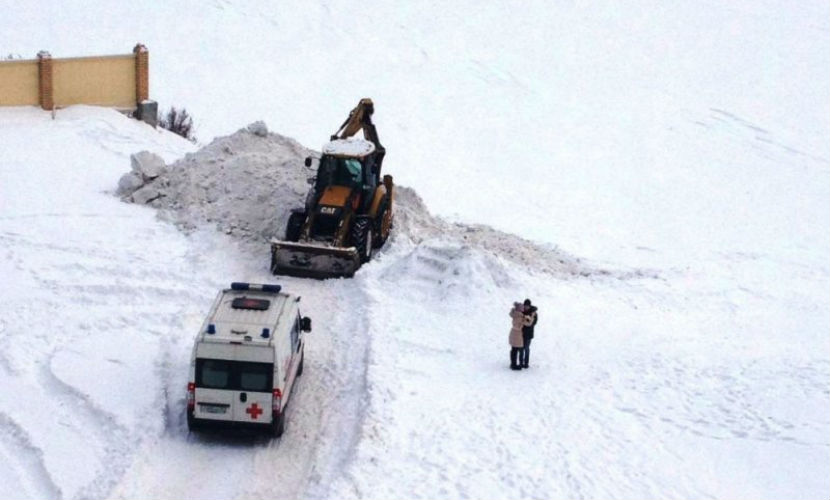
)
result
[(245, 184), (412, 219), (448, 271)]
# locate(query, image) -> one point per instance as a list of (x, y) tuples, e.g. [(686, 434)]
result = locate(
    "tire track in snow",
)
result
[(5, 363), (25, 461), (337, 440), (111, 440), (68, 251), (325, 414)]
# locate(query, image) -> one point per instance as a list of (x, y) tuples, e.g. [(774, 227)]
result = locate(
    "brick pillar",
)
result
[(142, 73), (44, 88)]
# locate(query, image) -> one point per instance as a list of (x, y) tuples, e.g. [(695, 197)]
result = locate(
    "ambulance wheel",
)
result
[(278, 426), (362, 239), (300, 368), (192, 426)]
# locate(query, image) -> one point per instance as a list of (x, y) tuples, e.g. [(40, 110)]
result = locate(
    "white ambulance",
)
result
[(247, 357)]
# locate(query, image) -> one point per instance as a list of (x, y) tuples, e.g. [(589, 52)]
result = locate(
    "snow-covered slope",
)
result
[(624, 114), (675, 159), (99, 313)]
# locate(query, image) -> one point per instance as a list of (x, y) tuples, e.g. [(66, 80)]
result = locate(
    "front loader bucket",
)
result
[(309, 260)]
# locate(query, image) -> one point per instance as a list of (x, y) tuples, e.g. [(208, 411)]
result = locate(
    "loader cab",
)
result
[(348, 162), (347, 175), (357, 174)]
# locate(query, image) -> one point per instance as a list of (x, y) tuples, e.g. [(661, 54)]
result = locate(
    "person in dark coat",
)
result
[(515, 339), (528, 323)]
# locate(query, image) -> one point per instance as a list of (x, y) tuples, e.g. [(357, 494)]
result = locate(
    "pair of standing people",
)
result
[(521, 334)]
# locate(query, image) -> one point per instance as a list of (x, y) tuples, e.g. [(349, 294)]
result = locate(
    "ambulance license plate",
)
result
[(214, 408)]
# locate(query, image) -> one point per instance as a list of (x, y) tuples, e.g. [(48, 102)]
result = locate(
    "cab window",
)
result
[(348, 172)]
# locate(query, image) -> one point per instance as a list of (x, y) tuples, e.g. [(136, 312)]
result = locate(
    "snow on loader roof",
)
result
[(352, 147)]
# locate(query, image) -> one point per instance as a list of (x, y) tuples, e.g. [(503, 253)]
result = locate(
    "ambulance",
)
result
[(246, 359)]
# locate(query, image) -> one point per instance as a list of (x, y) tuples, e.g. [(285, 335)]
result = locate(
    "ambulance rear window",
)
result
[(255, 376), (234, 375), (213, 373), (252, 304)]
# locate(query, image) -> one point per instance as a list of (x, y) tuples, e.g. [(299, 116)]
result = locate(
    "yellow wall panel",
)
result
[(98, 81), (18, 83)]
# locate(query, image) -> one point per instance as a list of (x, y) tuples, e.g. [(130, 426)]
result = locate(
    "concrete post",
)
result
[(142, 73), (44, 90)]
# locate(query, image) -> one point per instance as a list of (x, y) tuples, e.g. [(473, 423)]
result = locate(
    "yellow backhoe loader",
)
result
[(348, 210)]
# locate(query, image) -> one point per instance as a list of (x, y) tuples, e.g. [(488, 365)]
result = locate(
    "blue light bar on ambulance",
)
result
[(211, 328), (266, 333), (236, 285)]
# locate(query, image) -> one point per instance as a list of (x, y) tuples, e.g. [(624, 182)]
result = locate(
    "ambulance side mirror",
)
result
[(308, 161), (305, 324)]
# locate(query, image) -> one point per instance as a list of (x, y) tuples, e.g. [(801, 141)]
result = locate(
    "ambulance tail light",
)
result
[(276, 401), (191, 396)]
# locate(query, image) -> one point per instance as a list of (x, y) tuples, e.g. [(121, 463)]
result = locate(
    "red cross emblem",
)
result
[(254, 411)]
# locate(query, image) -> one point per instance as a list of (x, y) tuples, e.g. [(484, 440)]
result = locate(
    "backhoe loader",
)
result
[(349, 208)]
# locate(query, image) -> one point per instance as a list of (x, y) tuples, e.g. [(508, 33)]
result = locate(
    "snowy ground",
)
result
[(668, 167)]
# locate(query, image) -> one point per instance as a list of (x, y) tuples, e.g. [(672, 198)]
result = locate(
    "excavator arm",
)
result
[(360, 118)]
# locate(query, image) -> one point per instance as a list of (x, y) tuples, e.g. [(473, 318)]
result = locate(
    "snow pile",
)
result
[(449, 271), (413, 219), (244, 184)]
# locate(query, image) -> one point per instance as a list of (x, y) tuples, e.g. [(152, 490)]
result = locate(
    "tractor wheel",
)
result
[(294, 226), (362, 239), (383, 223)]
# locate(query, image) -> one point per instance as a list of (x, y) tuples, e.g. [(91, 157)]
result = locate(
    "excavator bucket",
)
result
[(308, 260)]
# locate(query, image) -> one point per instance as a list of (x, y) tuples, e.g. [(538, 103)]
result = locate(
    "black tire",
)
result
[(300, 368), (362, 239), (294, 226), (192, 426), (278, 425), (379, 238)]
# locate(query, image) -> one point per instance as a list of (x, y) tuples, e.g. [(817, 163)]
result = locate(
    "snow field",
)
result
[(670, 382), (100, 322), (616, 363), (562, 110), (78, 289), (661, 175)]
